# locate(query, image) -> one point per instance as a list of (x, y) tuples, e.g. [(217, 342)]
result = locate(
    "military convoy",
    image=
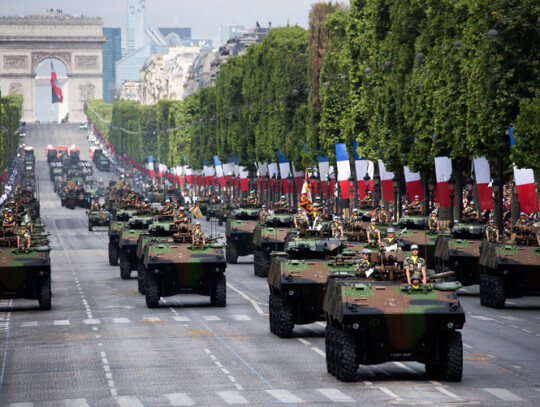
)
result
[(239, 233), (269, 237)]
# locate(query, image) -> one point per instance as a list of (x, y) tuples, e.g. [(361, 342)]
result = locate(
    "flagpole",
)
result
[(52, 104)]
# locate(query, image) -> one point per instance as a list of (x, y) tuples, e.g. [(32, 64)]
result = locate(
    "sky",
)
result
[(203, 16)]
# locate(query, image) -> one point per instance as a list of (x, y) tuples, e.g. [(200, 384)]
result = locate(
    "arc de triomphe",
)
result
[(76, 41)]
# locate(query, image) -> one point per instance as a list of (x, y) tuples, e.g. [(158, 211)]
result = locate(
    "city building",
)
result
[(135, 25), (229, 31), (112, 52), (129, 90)]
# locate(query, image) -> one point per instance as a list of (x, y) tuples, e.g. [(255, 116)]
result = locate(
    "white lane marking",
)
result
[(232, 397), (482, 318), (29, 323), (181, 319), (515, 319), (404, 367), (180, 399), (503, 394), (211, 317), (436, 383), (62, 322), (121, 320), (232, 379), (467, 346), (247, 297), (224, 370), (390, 393), (91, 321), (128, 401), (449, 393), (526, 330), (302, 340), (285, 396), (336, 395), (76, 403), (241, 318), (25, 404), (320, 352)]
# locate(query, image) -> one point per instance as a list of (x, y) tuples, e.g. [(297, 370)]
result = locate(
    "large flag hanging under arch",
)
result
[(57, 96)]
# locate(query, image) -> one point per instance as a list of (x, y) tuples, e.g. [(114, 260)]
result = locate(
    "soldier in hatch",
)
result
[(168, 209), (470, 213), (415, 266), (337, 227), (433, 223), (23, 236), (391, 241), (492, 233), (355, 217), (263, 214), (197, 236), (180, 216), (373, 233), (283, 204), (9, 219), (523, 221), (252, 199), (415, 206), (317, 217), (364, 264), (299, 218)]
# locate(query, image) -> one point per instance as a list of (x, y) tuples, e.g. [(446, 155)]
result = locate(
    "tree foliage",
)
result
[(10, 118)]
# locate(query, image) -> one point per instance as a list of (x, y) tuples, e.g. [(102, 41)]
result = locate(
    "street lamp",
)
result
[(493, 33), (290, 184), (367, 178), (395, 184), (317, 181), (327, 180), (432, 185), (496, 188), (351, 192), (274, 186), (451, 188)]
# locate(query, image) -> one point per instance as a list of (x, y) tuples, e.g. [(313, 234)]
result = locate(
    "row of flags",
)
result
[(271, 175)]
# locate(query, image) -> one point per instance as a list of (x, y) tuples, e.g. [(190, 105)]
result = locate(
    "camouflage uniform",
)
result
[(197, 234), (182, 217), (491, 232), (337, 228), (470, 212), (355, 218), (415, 206), (389, 242), (432, 223), (300, 218), (23, 236), (415, 266), (317, 220), (263, 215), (361, 266), (373, 233), (522, 222)]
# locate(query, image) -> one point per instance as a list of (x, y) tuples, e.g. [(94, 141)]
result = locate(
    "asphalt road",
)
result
[(101, 346)]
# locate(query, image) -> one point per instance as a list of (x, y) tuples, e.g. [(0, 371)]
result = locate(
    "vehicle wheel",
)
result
[(152, 291), (113, 254), (45, 295), (347, 357), (329, 348), (272, 312), (141, 285), (231, 254), (431, 369), (218, 297), (284, 318), (484, 289), (89, 227), (498, 294), (125, 270), (220, 222), (261, 263), (452, 357), (257, 262)]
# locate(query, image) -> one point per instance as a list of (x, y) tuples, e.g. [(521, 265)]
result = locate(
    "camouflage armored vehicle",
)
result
[(371, 322), (127, 243), (239, 233), (223, 211), (115, 230), (460, 252), (417, 233), (510, 270), (177, 268), (296, 280), (26, 274), (98, 218), (269, 236)]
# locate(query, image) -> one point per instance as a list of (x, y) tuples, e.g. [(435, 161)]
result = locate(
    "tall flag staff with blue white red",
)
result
[(56, 91)]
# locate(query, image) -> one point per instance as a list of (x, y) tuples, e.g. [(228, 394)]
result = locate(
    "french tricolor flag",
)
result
[(443, 171), (483, 179), (526, 190), (57, 96), (209, 173), (150, 166), (244, 184), (273, 174), (284, 171), (414, 184), (219, 171), (298, 179), (362, 166), (343, 169), (386, 183), (326, 172)]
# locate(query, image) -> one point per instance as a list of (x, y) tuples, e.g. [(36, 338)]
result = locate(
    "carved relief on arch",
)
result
[(15, 88), (15, 61), (65, 57), (87, 91)]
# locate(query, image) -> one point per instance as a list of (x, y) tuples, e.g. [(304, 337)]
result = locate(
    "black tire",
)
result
[(125, 269), (113, 254), (45, 295), (257, 262), (231, 253), (329, 348), (284, 323), (261, 263), (484, 289), (451, 368), (272, 312), (218, 296), (152, 291), (89, 227), (347, 356), (141, 283), (498, 293)]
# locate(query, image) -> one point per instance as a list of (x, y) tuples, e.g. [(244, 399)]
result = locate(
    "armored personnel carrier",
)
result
[(223, 211), (127, 243), (460, 252), (510, 270), (296, 280), (239, 233), (98, 218), (177, 268), (115, 230), (371, 322), (268, 237)]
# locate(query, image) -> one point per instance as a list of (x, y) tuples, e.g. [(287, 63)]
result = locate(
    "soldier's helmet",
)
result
[(471, 203), (416, 279), (299, 210), (181, 208), (416, 197), (374, 219), (355, 210), (264, 206), (390, 230), (491, 221), (316, 205), (23, 225), (318, 198), (414, 247), (283, 197), (167, 201), (366, 251), (522, 214), (197, 223), (339, 259)]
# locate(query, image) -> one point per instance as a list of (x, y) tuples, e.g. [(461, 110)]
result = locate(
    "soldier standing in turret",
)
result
[(492, 233), (197, 236), (415, 266)]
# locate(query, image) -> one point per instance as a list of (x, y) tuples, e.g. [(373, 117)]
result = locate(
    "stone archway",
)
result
[(76, 41)]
